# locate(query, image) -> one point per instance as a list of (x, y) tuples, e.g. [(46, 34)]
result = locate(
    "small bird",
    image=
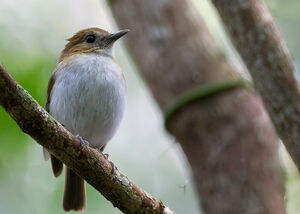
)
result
[(87, 94)]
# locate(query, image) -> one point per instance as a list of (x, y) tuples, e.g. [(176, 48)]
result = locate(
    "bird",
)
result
[(87, 95)]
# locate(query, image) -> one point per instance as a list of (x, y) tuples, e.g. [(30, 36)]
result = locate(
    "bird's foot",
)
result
[(114, 169), (106, 155), (113, 166), (82, 141)]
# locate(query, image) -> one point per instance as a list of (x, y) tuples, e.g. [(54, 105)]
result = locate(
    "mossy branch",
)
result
[(87, 162)]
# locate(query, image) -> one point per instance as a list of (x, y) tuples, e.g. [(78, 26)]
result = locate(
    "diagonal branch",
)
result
[(85, 161), (254, 34)]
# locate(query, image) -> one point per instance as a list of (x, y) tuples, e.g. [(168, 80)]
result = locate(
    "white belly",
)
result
[(89, 97)]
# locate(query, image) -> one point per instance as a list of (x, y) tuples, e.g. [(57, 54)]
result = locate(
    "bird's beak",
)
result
[(115, 36)]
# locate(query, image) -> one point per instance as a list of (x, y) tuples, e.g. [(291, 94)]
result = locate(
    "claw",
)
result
[(114, 169), (113, 166), (84, 142), (106, 156)]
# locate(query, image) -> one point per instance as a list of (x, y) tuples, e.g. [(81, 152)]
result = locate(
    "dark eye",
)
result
[(90, 39)]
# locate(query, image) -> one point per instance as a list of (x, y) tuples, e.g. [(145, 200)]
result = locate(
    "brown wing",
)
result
[(57, 165), (49, 89)]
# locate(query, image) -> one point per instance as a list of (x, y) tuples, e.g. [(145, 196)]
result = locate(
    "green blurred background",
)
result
[(32, 34)]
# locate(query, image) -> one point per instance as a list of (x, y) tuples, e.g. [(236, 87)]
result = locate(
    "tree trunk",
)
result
[(267, 57), (227, 137)]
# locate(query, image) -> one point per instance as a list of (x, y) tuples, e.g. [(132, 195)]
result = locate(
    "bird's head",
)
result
[(91, 40)]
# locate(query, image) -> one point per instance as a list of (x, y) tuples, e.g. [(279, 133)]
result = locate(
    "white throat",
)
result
[(109, 51)]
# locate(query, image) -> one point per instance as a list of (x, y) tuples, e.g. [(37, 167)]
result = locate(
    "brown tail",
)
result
[(57, 166), (74, 195)]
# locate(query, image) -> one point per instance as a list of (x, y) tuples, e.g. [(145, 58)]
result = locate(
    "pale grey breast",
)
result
[(89, 97)]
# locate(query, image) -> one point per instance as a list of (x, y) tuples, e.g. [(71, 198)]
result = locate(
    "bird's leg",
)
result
[(82, 141), (113, 166), (105, 154)]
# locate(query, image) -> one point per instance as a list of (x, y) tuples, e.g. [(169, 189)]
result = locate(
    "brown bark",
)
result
[(87, 162), (267, 57), (228, 137)]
